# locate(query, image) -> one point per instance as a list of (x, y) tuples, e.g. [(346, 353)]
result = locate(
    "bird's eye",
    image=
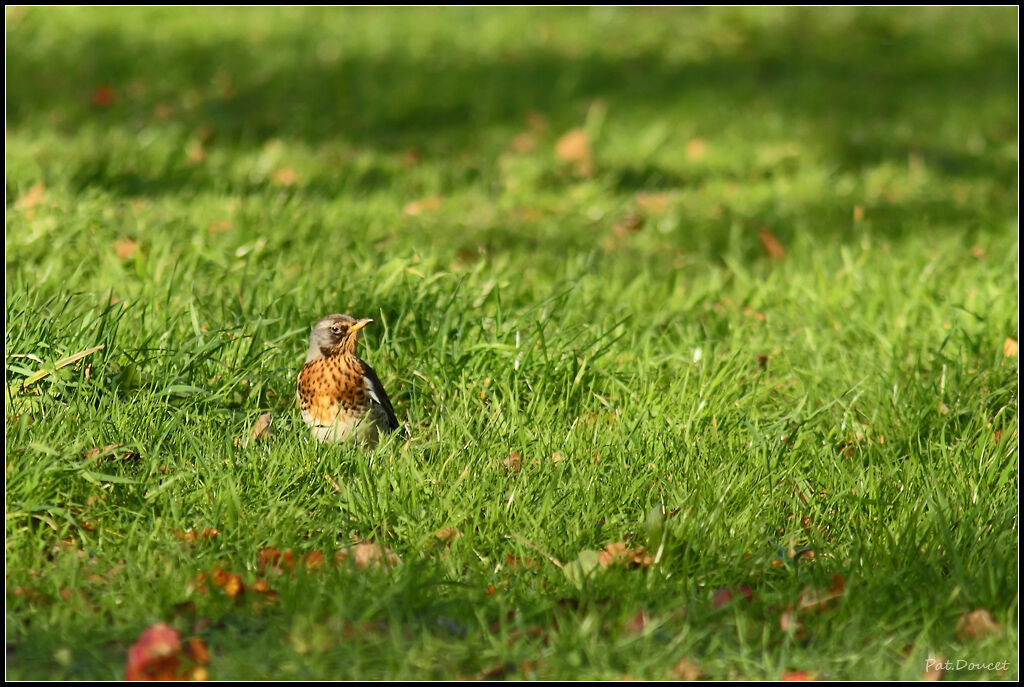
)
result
[(336, 329)]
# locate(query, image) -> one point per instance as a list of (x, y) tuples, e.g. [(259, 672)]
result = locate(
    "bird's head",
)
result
[(334, 334)]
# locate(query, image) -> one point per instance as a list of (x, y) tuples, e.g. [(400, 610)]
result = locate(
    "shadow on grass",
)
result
[(868, 94)]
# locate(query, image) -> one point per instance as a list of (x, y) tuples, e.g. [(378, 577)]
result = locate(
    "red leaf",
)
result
[(104, 96), (155, 655)]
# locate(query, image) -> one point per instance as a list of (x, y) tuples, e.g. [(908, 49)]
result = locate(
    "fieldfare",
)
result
[(340, 396)]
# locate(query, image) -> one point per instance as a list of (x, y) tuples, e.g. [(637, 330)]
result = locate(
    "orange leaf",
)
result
[(125, 247), (198, 651), (771, 244), (314, 560), (573, 146), (797, 676), (696, 148), (32, 197), (1010, 347), (418, 207), (284, 176)]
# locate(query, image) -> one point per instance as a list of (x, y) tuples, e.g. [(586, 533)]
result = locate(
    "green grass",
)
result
[(852, 398)]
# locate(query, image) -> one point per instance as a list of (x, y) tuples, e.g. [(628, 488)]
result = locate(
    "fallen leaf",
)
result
[(228, 581), (163, 110), (617, 552), (220, 227), (313, 560), (631, 225), (654, 202), (447, 533), (977, 624), (637, 623), (195, 151), (687, 670), (574, 147), (798, 676), (126, 247), (418, 207), (771, 244), (260, 431), (557, 457), (156, 655), (284, 176), (1010, 347), (696, 148), (934, 668), (722, 596), (35, 195), (270, 558), (790, 623), (523, 143), (366, 554), (104, 96), (198, 651), (514, 462)]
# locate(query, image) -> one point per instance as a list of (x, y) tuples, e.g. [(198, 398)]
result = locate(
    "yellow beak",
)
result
[(360, 324)]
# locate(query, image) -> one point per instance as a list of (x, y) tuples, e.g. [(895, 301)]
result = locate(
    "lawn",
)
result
[(703, 323)]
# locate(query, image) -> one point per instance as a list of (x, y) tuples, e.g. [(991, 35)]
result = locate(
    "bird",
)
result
[(339, 395)]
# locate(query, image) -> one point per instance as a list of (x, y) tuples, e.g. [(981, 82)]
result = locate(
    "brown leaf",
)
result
[(418, 207), (687, 670), (104, 96), (221, 226), (125, 247), (654, 202), (110, 450), (617, 552), (260, 431), (696, 148), (771, 244), (195, 151), (1010, 347), (228, 581), (447, 533), (574, 147), (637, 623), (523, 143), (366, 554), (198, 651), (977, 624), (270, 558), (314, 560), (934, 668), (514, 462), (284, 176), (723, 595)]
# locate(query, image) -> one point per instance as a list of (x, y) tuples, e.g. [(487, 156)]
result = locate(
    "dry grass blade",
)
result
[(63, 362)]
